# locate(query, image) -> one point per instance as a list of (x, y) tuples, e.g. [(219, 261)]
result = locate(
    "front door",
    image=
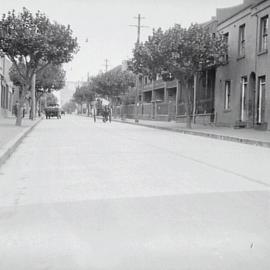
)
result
[(243, 100), (261, 100), (251, 99)]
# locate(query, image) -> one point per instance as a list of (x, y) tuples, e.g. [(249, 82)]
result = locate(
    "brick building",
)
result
[(242, 96)]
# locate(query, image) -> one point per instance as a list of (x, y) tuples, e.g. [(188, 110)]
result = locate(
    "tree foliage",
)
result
[(113, 83), (69, 107), (51, 77), (32, 42), (148, 58), (179, 53), (84, 94), (36, 39), (191, 50)]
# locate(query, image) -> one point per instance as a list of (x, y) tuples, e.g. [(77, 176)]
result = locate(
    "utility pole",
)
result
[(195, 97), (106, 65), (138, 26)]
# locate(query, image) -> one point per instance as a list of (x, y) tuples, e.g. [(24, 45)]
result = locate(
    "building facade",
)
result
[(236, 94), (9, 93), (163, 100), (242, 96)]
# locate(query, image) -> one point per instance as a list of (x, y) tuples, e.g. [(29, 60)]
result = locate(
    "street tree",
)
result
[(84, 95), (148, 59), (69, 107), (189, 51), (52, 77), (113, 83), (34, 42), (129, 97), (182, 53)]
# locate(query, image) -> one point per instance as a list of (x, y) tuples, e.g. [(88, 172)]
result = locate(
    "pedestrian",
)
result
[(104, 114), (95, 114), (16, 108), (110, 114), (24, 110)]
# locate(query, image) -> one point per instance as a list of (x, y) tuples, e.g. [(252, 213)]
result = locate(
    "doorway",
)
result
[(251, 99), (261, 100), (243, 100)]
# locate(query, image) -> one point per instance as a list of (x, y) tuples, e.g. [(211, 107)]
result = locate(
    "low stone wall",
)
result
[(203, 119)]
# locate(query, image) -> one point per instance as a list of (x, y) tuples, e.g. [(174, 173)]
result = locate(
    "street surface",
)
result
[(78, 195)]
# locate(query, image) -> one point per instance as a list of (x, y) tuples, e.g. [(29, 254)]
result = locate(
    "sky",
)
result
[(103, 26)]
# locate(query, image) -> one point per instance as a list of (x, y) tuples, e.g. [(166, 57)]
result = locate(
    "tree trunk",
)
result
[(188, 106), (19, 114), (33, 97), (88, 109), (20, 107)]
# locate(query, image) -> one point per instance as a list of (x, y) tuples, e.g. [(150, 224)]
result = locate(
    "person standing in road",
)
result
[(110, 113)]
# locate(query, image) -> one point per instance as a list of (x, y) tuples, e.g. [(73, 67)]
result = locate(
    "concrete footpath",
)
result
[(11, 136), (246, 136)]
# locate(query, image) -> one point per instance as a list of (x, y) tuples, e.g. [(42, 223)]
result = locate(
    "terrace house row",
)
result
[(242, 95), (236, 94)]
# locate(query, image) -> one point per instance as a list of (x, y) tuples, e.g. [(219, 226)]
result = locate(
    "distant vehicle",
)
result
[(53, 111)]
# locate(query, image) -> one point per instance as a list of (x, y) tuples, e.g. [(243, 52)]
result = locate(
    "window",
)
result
[(227, 103), (263, 33), (226, 40), (242, 41), (261, 98)]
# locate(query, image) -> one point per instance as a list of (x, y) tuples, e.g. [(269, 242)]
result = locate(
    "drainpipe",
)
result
[(255, 87)]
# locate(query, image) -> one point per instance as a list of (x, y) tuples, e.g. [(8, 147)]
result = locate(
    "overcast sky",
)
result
[(105, 24)]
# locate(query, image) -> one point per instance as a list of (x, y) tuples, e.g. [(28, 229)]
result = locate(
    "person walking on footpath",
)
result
[(105, 114), (16, 108), (95, 114)]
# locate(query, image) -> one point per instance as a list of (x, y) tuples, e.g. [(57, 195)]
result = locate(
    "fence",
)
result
[(160, 112)]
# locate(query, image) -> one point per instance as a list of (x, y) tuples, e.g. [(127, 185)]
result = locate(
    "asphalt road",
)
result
[(78, 195)]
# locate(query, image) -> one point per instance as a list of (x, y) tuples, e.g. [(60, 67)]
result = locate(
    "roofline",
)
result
[(235, 14)]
